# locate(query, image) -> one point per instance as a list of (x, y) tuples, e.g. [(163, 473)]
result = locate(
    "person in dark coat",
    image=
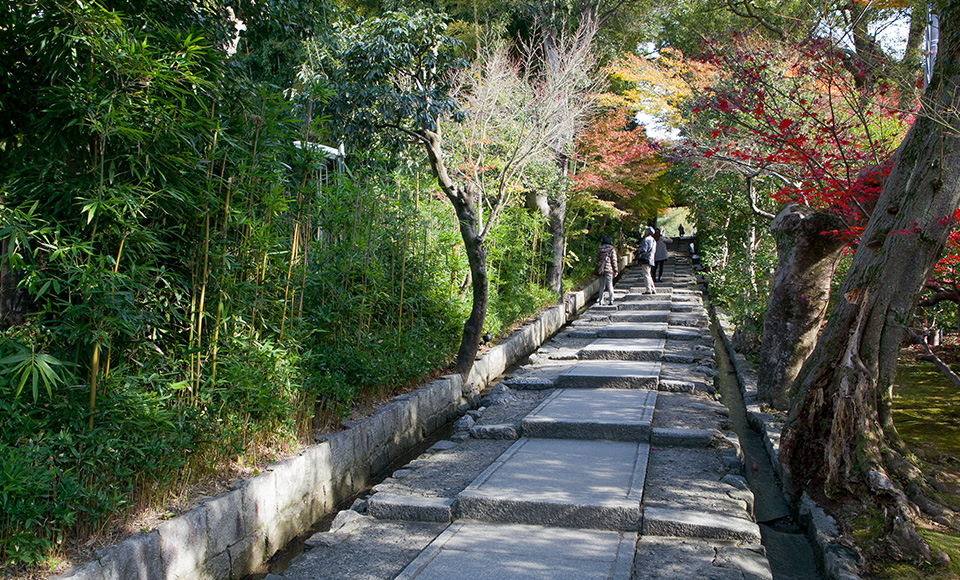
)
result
[(607, 267)]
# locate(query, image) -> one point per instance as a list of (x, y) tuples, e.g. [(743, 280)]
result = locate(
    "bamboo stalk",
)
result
[(286, 287), (403, 279), (193, 317), (216, 342), (203, 293), (94, 372)]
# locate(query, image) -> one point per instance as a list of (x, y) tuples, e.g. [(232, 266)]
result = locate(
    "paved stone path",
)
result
[(604, 457)]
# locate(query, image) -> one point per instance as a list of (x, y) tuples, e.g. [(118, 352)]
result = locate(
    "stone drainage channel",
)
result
[(788, 550), (360, 546)]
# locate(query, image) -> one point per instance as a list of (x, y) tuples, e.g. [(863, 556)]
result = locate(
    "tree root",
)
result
[(903, 517)]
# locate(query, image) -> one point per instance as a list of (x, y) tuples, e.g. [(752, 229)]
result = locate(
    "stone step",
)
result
[(529, 383), (678, 319), (662, 305), (660, 558), (610, 374), (633, 330), (524, 552), (648, 349), (686, 333), (641, 316), (562, 483), (389, 506), (684, 523), (638, 295), (607, 414)]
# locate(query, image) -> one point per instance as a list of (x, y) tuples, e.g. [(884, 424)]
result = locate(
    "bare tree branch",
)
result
[(751, 15), (752, 198), (943, 367)]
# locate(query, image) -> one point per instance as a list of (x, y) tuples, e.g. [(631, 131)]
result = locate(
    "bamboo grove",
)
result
[(188, 284)]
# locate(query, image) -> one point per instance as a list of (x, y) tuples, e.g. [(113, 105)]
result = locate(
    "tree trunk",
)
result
[(464, 203), (477, 258), (557, 215), (806, 260), (555, 210), (840, 437)]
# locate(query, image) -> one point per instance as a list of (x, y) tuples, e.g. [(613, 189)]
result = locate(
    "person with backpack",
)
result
[(661, 255), (647, 252), (606, 265)]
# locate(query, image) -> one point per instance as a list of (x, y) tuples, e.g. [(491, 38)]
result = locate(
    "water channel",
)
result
[(789, 551)]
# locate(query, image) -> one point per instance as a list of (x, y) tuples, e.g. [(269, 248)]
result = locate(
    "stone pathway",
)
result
[(604, 457)]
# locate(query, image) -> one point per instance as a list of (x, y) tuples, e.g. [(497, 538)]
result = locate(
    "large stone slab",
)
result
[(564, 483), (610, 374), (520, 552), (650, 349), (610, 414)]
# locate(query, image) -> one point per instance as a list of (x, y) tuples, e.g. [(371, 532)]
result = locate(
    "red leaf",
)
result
[(785, 124)]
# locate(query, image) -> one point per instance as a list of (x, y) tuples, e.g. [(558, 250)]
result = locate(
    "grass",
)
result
[(927, 415)]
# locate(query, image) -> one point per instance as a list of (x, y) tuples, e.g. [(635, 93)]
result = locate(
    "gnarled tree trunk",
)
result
[(806, 261), (840, 436), (555, 210), (464, 203)]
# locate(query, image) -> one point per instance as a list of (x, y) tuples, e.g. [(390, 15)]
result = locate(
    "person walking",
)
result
[(606, 266), (680, 229), (661, 255), (647, 251)]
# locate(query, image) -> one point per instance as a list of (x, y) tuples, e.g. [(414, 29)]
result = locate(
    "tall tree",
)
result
[(390, 78), (841, 439), (793, 114)]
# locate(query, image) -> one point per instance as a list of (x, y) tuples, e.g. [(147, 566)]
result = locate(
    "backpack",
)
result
[(601, 264)]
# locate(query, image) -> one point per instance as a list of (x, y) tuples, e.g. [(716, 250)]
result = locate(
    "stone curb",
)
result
[(679, 437), (837, 561), (681, 523), (389, 506), (232, 534)]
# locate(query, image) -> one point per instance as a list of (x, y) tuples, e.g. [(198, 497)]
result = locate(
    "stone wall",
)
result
[(230, 535)]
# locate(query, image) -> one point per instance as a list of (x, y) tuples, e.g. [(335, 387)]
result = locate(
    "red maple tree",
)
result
[(620, 163), (792, 111)]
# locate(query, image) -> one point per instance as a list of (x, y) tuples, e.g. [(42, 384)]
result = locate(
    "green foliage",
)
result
[(56, 475), (739, 273), (516, 263), (387, 72), (29, 365), (195, 285)]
